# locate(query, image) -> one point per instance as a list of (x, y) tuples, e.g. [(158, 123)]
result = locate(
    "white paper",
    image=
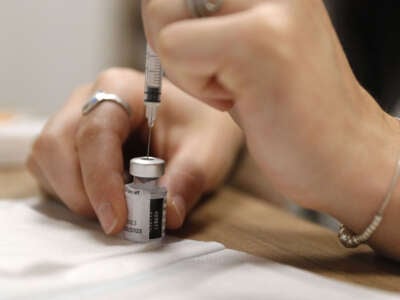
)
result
[(46, 252)]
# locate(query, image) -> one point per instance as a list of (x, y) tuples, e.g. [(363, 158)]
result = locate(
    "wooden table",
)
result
[(250, 224)]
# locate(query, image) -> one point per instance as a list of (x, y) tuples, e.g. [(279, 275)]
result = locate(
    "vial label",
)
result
[(146, 216)]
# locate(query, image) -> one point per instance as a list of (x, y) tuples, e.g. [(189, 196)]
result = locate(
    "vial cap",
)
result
[(147, 167)]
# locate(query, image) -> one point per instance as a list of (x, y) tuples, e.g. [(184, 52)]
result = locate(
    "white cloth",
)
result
[(46, 252)]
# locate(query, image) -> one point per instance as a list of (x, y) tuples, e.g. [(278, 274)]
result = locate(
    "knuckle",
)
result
[(53, 136), (31, 164), (46, 143), (113, 76), (276, 20), (89, 130), (278, 23), (154, 10), (165, 43), (82, 89)]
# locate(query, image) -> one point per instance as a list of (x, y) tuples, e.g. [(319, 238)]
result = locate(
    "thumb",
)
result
[(185, 179)]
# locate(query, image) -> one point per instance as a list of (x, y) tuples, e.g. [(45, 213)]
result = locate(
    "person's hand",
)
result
[(79, 158), (279, 68)]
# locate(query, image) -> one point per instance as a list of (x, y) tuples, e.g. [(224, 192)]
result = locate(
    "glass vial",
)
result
[(146, 200)]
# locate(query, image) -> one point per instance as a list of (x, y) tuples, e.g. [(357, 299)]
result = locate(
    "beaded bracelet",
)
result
[(348, 238)]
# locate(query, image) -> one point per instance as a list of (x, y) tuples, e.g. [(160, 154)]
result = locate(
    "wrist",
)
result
[(368, 166)]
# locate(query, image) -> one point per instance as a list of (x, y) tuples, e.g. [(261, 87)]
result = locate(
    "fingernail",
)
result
[(107, 217), (180, 207)]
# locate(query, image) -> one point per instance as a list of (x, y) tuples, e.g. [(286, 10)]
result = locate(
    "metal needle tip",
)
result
[(149, 142)]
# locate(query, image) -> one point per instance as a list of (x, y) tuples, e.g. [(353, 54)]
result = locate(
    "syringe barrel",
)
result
[(153, 75)]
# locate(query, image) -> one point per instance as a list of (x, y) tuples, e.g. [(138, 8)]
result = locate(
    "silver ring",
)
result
[(203, 8), (100, 97)]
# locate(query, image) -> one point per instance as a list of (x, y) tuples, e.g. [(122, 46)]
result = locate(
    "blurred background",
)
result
[(48, 47)]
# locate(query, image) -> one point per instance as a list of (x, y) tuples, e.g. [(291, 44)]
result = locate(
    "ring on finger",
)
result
[(203, 8), (99, 97)]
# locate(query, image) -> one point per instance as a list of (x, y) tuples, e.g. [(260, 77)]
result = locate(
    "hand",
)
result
[(80, 158), (278, 66)]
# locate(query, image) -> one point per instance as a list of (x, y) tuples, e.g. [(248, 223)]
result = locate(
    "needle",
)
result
[(149, 142)]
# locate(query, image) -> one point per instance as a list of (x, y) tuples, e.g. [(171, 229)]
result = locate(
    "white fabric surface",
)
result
[(48, 253)]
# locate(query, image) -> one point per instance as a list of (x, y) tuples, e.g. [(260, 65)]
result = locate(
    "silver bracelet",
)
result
[(351, 240)]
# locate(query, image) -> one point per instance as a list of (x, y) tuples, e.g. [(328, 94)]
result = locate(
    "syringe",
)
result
[(152, 91)]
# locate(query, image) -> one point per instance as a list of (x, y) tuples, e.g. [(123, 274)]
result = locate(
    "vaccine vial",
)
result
[(146, 200)]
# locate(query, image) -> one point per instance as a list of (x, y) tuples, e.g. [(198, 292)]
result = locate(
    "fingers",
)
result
[(185, 181), (99, 142), (195, 169), (79, 159), (159, 13), (99, 151), (194, 52), (54, 160), (193, 70), (215, 58)]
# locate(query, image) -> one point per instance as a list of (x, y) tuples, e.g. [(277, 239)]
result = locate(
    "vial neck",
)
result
[(148, 182)]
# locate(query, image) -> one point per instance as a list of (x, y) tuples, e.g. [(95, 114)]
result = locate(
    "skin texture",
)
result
[(80, 159), (277, 66)]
